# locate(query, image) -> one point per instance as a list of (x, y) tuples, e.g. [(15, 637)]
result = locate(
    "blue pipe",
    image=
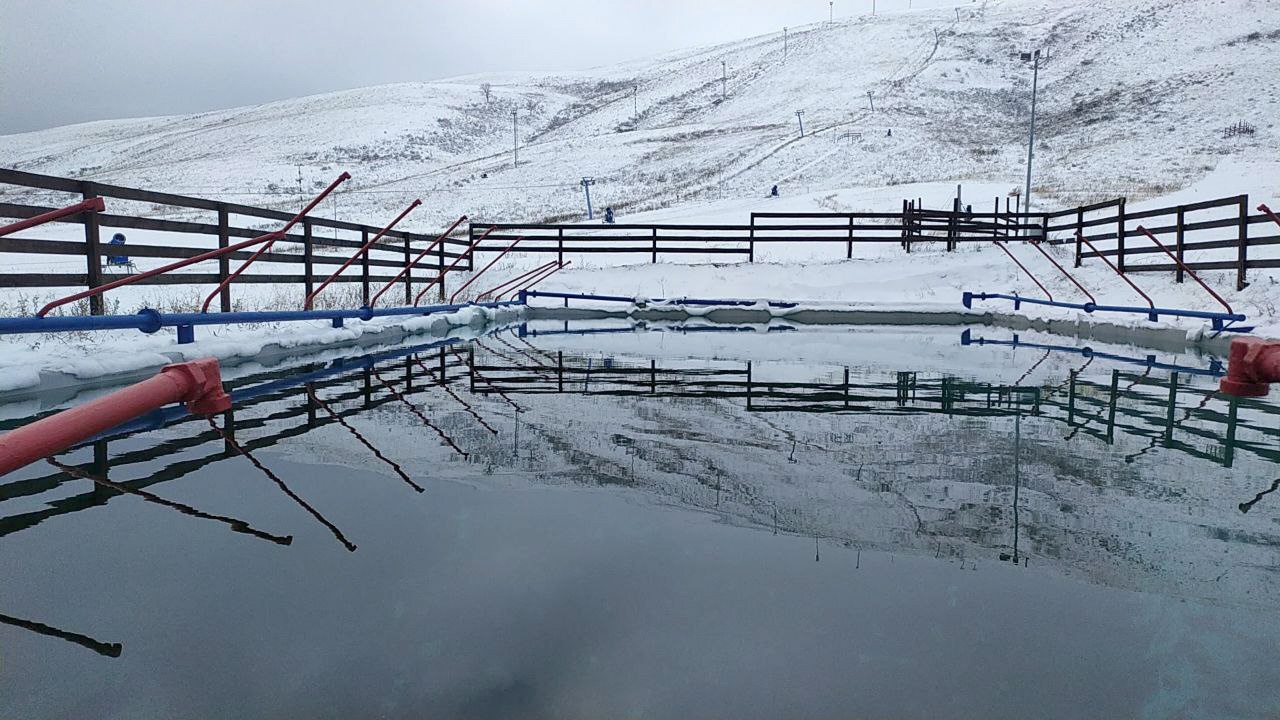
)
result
[(149, 320), (1153, 314), (1215, 367)]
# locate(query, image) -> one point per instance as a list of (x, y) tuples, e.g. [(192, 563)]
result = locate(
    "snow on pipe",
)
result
[(150, 320), (498, 290), (485, 269), (442, 237), (91, 205), (364, 249), (197, 383), (1252, 365), (439, 278), (252, 258), (189, 261), (521, 291), (1186, 269)]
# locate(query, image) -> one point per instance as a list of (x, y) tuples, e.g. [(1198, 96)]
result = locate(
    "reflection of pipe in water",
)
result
[(239, 526), (1247, 506), (283, 487), (363, 440), (425, 420), (107, 649)]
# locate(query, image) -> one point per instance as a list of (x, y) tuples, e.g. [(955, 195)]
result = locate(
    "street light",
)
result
[(800, 118), (1033, 58)]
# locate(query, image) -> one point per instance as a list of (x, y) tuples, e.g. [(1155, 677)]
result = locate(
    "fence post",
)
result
[(1120, 237), (848, 253), (308, 258), (471, 239), (1079, 233), (751, 240), (224, 262), (1180, 241), (655, 246), (905, 224), (364, 269), (408, 275), (560, 246), (93, 256), (952, 228), (1242, 262)]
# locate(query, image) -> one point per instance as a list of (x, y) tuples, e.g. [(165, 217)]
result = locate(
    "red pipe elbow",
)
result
[(1252, 365), (197, 383)]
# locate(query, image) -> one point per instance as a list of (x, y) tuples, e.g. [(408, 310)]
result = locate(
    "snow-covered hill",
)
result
[(1136, 96)]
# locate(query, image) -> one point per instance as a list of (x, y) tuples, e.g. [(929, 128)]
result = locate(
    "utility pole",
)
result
[(873, 7), (1031, 140), (587, 182), (515, 140), (724, 77), (784, 43), (635, 102), (831, 11), (871, 99), (800, 118)]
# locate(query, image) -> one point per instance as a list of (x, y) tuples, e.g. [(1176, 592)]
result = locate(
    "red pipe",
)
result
[(197, 383), (440, 277), (1024, 269), (1112, 265), (1035, 244), (374, 300), (182, 263), (563, 265), (1186, 269), (90, 205), (485, 269), (1263, 207), (516, 279), (306, 304), (332, 186), (1252, 365)]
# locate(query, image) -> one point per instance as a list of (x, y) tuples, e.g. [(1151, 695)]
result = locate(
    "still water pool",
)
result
[(654, 523)]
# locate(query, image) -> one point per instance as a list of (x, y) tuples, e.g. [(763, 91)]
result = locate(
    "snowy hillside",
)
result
[(1136, 96)]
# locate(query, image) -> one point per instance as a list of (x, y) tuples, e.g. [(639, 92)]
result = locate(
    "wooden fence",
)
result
[(1223, 224), (1193, 231), (395, 251)]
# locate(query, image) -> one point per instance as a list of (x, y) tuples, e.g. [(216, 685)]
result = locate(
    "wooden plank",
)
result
[(93, 254)]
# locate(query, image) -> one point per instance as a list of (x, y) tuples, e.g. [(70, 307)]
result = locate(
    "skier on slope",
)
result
[(608, 216), (774, 191)]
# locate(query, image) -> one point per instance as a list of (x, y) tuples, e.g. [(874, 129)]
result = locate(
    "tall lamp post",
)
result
[(800, 119), (1033, 58)]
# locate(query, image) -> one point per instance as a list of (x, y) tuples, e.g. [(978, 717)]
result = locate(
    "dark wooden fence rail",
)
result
[(1190, 229), (1222, 224), (394, 251)]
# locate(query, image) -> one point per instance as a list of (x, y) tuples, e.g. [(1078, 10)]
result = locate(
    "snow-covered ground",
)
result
[(1135, 97)]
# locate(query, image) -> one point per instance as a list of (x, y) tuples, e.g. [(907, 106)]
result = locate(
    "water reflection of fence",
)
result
[(286, 396), (1162, 410), (1171, 412)]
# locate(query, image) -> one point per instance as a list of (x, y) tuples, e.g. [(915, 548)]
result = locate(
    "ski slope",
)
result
[(1135, 97)]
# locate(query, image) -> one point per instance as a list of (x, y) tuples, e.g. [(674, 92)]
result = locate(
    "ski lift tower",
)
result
[(587, 182)]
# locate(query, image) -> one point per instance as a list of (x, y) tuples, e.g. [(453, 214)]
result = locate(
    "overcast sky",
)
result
[(67, 61)]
